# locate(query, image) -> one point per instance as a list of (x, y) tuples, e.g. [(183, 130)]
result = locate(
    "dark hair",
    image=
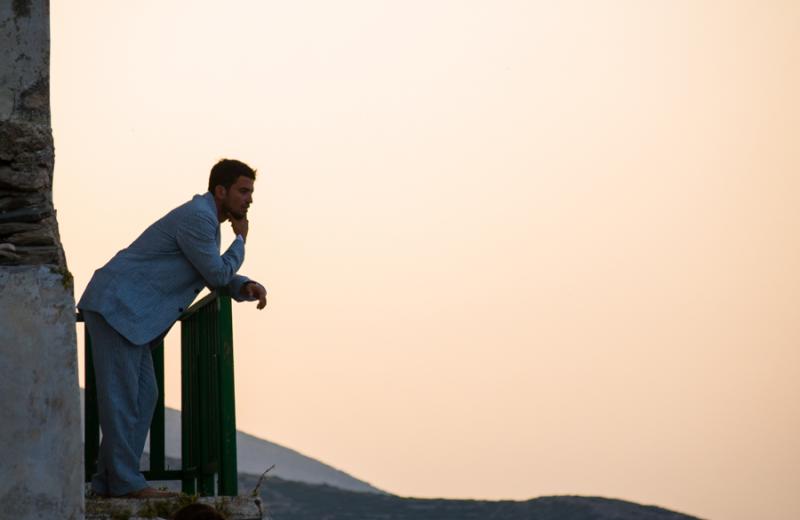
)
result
[(226, 171), (197, 511)]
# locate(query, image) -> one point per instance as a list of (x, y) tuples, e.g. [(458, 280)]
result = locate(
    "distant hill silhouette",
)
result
[(286, 500)]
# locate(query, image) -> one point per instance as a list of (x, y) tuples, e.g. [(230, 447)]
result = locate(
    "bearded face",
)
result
[(238, 198)]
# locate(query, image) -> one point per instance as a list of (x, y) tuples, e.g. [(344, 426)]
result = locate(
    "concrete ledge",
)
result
[(232, 508)]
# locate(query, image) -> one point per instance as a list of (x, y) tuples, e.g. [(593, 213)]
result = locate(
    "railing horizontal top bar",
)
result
[(210, 297)]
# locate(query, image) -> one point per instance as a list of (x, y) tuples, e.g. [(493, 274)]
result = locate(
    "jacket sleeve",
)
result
[(196, 238), (236, 285)]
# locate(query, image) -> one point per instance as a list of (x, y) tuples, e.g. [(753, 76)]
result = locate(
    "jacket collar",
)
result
[(209, 198)]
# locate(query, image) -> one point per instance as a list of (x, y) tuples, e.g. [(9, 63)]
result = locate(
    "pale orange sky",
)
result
[(513, 249)]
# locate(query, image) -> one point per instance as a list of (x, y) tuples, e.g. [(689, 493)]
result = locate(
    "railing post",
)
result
[(228, 471), (206, 408), (209, 408)]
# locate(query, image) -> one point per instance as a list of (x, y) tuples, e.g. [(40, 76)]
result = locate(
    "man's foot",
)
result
[(95, 494), (149, 492)]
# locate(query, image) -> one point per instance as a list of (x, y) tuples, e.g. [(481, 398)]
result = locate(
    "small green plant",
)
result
[(67, 280), (122, 514), (154, 508), (184, 500), (221, 505)]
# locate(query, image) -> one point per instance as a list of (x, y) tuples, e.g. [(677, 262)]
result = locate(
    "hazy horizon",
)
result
[(513, 249)]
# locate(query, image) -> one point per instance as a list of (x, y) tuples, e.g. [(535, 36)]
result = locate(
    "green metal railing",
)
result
[(208, 415)]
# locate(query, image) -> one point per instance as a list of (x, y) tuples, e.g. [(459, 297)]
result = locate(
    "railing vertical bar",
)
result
[(187, 412), (214, 451), (213, 379), (157, 463), (206, 480), (228, 465), (91, 424)]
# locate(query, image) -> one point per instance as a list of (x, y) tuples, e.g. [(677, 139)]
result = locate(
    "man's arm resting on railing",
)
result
[(243, 289)]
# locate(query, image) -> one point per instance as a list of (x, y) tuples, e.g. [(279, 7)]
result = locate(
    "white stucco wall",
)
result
[(41, 458)]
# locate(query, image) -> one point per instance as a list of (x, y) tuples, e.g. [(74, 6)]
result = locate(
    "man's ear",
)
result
[(220, 192)]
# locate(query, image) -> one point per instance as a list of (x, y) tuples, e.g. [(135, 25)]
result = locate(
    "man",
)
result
[(132, 301)]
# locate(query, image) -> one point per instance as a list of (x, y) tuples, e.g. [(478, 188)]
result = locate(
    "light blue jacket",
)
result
[(143, 290)]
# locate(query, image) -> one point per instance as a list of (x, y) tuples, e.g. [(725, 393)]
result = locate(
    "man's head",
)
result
[(231, 182)]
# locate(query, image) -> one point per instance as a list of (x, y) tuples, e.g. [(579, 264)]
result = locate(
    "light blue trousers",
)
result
[(126, 398)]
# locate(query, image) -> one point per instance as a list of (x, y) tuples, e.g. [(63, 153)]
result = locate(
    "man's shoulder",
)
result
[(197, 213), (201, 205), (202, 202), (197, 216)]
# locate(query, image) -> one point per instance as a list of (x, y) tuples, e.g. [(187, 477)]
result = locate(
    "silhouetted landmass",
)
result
[(287, 500), (291, 500)]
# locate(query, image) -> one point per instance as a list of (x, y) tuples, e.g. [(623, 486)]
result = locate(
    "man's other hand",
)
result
[(255, 290), (240, 226)]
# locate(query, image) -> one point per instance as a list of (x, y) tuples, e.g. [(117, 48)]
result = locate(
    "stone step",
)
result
[(232, 508)]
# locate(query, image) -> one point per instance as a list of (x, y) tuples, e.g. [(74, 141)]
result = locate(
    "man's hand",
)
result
[(240, 227), (255, 290)]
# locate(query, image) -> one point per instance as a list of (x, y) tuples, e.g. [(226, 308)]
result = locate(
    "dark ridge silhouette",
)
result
[(292, 500), (287, 500)]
